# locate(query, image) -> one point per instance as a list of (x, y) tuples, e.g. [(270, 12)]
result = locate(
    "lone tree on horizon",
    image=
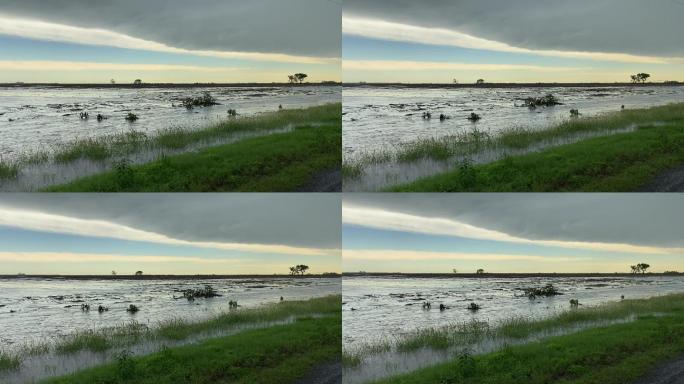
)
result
[(640, 78), (138, 273), (480, 82), (300, 77), (640, 268), (480, 271), (299, 269), (137, 82)]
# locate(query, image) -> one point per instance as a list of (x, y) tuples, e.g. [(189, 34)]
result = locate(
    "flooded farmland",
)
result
[(376, 118), (377, 309), (44, 310), (36, 119)]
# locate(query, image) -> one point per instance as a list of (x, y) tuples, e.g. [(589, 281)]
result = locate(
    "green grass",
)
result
[(621, 162), (278, 162), (126, 143), (516, 138), (278, 354), (131, 333), (606, 355), (9, 361), (469, 333), (8, 170)]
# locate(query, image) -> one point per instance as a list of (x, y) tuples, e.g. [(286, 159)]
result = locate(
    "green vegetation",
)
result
[(613, 354), (277, 162), (127, 143), (9, 361), (470, 333), (8, 170), (131, 333), (278, 354), (622, 162)]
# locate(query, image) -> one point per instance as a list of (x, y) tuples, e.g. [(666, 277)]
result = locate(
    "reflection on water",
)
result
[(382, 117), (385, 308), (43, 310), (36, 119)]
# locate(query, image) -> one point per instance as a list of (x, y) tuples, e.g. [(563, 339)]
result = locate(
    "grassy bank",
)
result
[(131, 333), (278, 162), (125, 144), (467, 144), (465, 334), (621, 162), (613, 354), (279, 354)]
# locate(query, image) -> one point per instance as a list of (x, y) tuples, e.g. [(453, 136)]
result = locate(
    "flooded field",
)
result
[(44, 310), (380, 118), (377, 309), (39, 119)]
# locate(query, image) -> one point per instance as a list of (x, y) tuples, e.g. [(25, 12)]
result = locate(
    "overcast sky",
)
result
[(200, 233), (590, 40), (512, 232), (217, 40)]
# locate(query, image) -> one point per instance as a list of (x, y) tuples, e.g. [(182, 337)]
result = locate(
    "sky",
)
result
[(94, 41), (512, 233), (441, 41), (76, 234)]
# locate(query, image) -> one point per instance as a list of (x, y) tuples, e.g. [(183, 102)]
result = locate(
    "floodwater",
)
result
[(44, 310), (38, 119), (377, 118), (379, 309)]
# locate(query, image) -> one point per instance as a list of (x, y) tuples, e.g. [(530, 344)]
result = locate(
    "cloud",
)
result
[(64, 257), (33, 66), (45, 222), (397, 65), (40, 30), (402, 255), (397, 221), (293, 27), (280, 219), (632, 27), (640, 219), (385, 30)]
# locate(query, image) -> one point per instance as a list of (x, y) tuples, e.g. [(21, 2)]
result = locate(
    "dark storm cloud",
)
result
[(299, 220), (296, 27), (639, 219), (623, 26)]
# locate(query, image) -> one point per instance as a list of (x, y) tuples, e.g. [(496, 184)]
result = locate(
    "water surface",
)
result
[(383, 117), (40, 118), (43, 310), (377, 309)]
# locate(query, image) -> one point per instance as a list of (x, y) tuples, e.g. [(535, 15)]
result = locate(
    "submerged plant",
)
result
[(132, 308), (545, 291), (545, 101), (131, 117), (206, 292), (206, 100)]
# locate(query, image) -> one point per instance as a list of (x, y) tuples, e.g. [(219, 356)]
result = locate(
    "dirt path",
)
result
[(328, 373), (329, 180), (671, 372), (670, 181)]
